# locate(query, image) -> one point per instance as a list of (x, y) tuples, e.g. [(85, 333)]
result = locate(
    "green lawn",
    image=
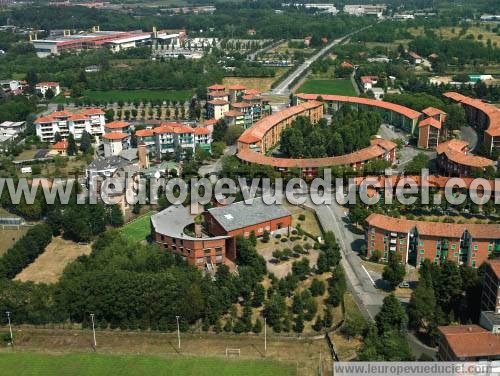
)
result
[(33, 364), (338, 87), (138, 229), (131, 95)]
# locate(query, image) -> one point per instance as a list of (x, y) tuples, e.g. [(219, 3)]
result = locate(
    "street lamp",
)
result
[(178, 332), (93, 329), (10, 328)]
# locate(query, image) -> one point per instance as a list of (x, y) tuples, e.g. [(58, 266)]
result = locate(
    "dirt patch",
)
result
[(9, 235), (48, 267), (305, 353)]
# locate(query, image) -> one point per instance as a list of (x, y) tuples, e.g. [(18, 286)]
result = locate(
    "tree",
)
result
[(218, 148), (392, 316), (86, 143), (49, 94), (72, 148), (422, 302), (257, 327), (115, 216), (232, 134), (220, 129), (57, 137), (299, 324), (317, 287), (415, 166), (394, 271)]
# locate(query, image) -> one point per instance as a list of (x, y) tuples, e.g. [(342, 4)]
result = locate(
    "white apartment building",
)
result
[(90, 119), (169, 136), (115, 143)]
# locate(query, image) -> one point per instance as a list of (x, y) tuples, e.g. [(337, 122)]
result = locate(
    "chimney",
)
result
[(67, 32), (143, 155), (95, 29), (155, 32)]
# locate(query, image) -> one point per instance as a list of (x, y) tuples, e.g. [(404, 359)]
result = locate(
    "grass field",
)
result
[(33, 364), (131, 95), (259, 83), (49, 266), (9, 236), (138, 229), (450, 32), (338, 87)]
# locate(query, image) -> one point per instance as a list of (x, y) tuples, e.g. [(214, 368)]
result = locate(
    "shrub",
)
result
[(302, 217), (298, 248), (307, 245), (316, 245), (294, 232), (284, 240), (277, 236)]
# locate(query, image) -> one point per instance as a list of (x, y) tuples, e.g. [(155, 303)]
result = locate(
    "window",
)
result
[(422, 251), (473, 264), (455, 254), (207, 251), (401, 241), (421, 244), (475, 247), (453, 246)]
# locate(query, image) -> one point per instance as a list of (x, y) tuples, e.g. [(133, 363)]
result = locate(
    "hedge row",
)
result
[(25, 250)]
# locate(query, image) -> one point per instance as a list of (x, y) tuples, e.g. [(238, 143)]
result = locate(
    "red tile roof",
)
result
[(252, 92), (251, 97), (144, 133), (438, 229), (61, 114), (92, 111), (218, 102), (170, 127), (430, 121), (369, 79), (489, 110), (45, 119), (455, 151), (360, 156), (241, 105), (209, 122), (432, 111), (233, 113), (117, 124), (201, 131), (216, 87), (257, 131), (471, 341), (405, 111), (61, 145), (414, 55), (346, 64), (115, 136), (218, 94)]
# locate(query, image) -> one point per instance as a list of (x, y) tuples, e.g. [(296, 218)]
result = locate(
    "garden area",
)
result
[(138, 229)]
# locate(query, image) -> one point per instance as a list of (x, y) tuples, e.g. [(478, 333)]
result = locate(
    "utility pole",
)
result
[(178, 332), (265, 335), (93, 329), (10, 328)]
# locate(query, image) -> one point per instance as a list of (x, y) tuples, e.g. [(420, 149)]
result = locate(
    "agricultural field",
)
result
[(132, 95), (337, 87), (261, 84), (138, 229), (32, 364), (450, 32), (49, 266)]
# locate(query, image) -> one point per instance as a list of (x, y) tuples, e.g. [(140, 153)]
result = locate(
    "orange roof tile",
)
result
[(455, 151), (61, 114), (241, 105), (260, 128), (252, 92), (346, 64), (144, 133), (490, 111), (117, 125), (233, 113), (405, 111), (209, 122), (251, 97), (369, 79), (171, 127), (61, 145), (92, 111), (115, 136), (438, 229), (45, 119), (430, 121), (360, 156), (216, 87), (217, 94), (386, 144), (471, 341), (49, 84), (201, 131), (218, 102), (77, 117), (432, 111)]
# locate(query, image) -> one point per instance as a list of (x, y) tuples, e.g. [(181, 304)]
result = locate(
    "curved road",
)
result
[(282, 88)]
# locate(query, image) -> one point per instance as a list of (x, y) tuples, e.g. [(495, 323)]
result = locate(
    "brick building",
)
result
[(467, 244), (453, 159), (467, 343), (211, 243), (490, 299)]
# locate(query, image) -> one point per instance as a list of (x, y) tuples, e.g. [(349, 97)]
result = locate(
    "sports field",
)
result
[(34, 364), (337, 87), (137, 229)]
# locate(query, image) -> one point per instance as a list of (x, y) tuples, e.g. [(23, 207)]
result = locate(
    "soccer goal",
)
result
[(232, 352)]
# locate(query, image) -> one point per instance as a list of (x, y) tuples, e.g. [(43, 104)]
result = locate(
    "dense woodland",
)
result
[(349, 131)]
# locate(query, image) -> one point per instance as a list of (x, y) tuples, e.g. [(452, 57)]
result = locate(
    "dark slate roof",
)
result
[(107, 163), (240, 214)]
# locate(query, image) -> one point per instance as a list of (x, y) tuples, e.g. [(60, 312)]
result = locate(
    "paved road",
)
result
[(253, 55), (215, 167), (361, 284), (282, 88), (470, 135)]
